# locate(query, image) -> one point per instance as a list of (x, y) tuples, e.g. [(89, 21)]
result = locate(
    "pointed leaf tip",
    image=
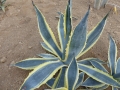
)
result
[(108, 14), (33, 3), (89, 7)]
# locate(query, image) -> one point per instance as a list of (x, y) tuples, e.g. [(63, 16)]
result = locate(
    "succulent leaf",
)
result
[(61, 32), (101, 88), (59, 81), (90, 82), (68, 21), (78, 39), (61, 88), (46, 47), (80, 80), (72, 75), (87, 61), (98, 66), (112, 54), (32, 63), (47, 56), (50, 82), (114, 88), (94, 35), (116, 76), (118, 66), (36, 78), (2, 5), (46, 33), (99, 75)]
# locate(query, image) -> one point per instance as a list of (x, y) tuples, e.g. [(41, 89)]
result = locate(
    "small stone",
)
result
[(3, 60), (91, 8), (20, 42), (30, 47)]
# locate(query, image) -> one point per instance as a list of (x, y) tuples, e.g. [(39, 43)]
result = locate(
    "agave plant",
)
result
[(100, 3), (113, 64), (73, 44), (2, 4)]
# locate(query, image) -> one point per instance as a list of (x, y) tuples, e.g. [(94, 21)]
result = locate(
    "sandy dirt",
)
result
[(19, 37)]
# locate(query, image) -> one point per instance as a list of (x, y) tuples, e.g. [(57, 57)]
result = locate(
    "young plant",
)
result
[(2, 4), (73, 44), (114, 66)]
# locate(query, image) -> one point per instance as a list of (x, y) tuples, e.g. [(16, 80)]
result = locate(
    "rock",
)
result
[(3, 60), (29, 47)]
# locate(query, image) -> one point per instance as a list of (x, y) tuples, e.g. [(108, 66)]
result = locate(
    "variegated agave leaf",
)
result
[(80, 80), (49, 56), (90, 82), (87, 61), (2, 5), (114, 64), (46, 33), (77, 40), (68, 21), (99, 75), (98, 66), (46, 47), (94, 35), (104, 87), (93, 62), (60, 80), (36, 78), (61, 88), (72, 75), (112, 55), (50, 82), (32, 63)]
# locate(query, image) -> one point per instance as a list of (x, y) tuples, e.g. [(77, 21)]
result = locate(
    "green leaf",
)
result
[(78, 39), (61, 32), (41, 75), (3, 8), (80, 80), (59, 81), (32, 63), (87, 61), (61, 88), (46, 33), (50, 82), (72, 74), (46, 47), (68, 21), (118, 66), (116, 76), (101, 88), (47, 56), (112, 54), (114, 88), (90, 82), (99, 75), (94, 35), (98, 66)]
